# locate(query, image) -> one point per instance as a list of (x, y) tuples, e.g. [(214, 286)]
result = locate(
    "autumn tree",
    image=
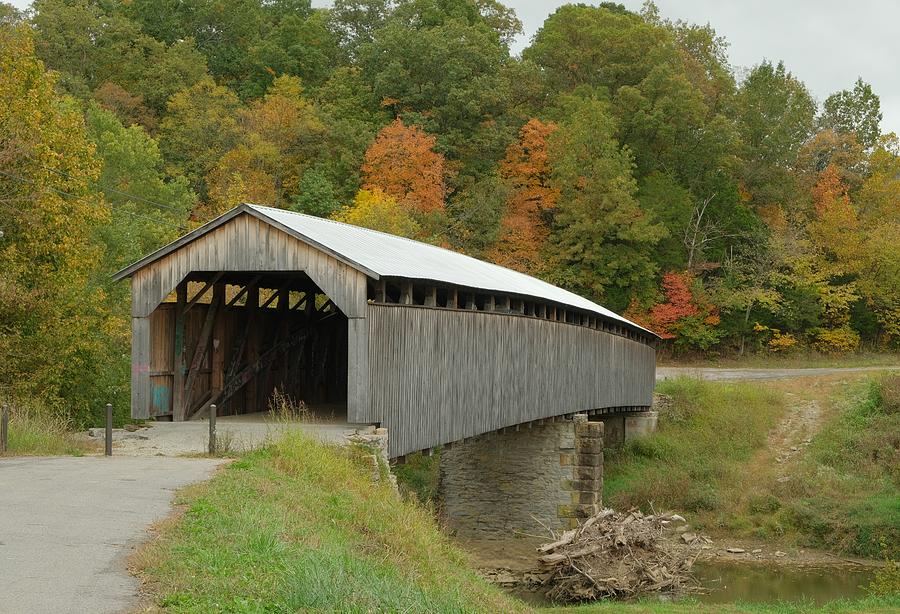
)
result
[(402, 163), (54, 328), (200, 126), (532, 198), (378, 211)]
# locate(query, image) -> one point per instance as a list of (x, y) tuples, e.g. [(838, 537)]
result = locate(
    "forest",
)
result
[(619, 156)]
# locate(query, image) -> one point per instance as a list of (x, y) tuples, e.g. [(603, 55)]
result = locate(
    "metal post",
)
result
[(212, 428), (4, 428), (109, 429)]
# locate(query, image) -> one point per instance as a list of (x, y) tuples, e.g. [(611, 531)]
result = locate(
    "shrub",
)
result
[(835, 340)]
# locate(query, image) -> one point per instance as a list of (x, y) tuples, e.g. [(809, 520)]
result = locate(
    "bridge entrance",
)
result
[(235, 338)]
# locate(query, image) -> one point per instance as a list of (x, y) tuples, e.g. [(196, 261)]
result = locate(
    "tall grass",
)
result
[(846, 495), (35, 430), (696, 456), (300, 527)]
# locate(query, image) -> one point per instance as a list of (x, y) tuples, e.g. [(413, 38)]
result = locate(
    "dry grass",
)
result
[(36, 431)]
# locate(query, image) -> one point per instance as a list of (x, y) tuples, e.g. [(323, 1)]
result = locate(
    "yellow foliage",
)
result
[(836, 340), (376, 210), (781, 342)]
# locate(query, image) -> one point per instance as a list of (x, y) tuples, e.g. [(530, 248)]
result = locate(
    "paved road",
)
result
[(717, 374), (68, 524)]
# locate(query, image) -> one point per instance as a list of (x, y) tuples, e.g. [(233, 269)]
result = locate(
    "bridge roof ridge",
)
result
[(378, 254)]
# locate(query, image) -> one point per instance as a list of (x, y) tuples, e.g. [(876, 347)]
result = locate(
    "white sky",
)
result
[(825, 43)]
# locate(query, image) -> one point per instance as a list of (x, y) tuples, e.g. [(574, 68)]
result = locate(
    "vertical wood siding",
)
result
[(438, 375), (247, 244)]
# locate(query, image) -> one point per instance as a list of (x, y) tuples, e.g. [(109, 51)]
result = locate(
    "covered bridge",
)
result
[(376, 329)]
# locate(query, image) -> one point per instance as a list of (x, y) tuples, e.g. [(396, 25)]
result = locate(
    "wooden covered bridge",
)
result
[(433, 345)]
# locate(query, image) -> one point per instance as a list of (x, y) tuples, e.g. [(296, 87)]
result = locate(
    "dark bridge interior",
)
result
[(233, 338)]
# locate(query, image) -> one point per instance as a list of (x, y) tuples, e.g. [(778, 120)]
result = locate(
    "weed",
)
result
[(35, 430)]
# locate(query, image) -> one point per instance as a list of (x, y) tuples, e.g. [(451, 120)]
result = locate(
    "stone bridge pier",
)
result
[(540, 476)]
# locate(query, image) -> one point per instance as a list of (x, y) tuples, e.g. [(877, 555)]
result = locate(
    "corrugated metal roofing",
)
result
[(384, 255)]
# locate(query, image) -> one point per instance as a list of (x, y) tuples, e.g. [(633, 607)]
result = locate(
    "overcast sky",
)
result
[(825, 43)]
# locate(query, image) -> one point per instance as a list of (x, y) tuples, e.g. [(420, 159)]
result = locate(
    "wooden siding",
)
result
[(248, 244), (440, 375), (243, 244)]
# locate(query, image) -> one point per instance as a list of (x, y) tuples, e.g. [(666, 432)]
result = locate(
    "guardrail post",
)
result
[(212, 429), (4, 428), (109, 423)]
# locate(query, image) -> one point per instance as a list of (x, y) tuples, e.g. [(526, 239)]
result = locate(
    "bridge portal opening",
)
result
[(243, 341)]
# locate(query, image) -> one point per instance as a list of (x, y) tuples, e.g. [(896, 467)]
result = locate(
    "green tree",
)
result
[(776, 115), (152, 209), (856, 111), (601, 243)]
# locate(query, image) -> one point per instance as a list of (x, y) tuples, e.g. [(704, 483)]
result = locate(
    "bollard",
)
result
[(4, 428), (109, 429), (212, 429)]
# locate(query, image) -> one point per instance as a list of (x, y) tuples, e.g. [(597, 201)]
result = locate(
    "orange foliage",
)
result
[(402, 163), (835, 226), (526, 169), (680, 303)]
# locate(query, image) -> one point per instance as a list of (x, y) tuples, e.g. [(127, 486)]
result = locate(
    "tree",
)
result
[(532, 199), (856, 111), (601, 242), (315, 194), (402, 163), (58, 343), (153, 209), (376, 210), (776, 116), (199, 128)]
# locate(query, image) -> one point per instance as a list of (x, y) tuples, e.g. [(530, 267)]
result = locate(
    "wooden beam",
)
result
[(381, 291), (178, 376), (204, 290), (406, 293), (452, 296), (217, 377), (253, 284), (252, 344), (431, 296), (200, 352)]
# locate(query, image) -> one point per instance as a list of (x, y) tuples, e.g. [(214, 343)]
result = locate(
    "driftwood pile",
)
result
[(620, 555)]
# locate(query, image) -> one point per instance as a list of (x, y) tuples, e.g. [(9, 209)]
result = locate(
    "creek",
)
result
[(771, 584)]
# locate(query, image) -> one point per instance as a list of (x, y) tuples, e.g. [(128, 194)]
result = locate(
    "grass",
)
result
[(697, 455), (846, 495), (33, 431), (871, 605), (798, 360), (298, 526)]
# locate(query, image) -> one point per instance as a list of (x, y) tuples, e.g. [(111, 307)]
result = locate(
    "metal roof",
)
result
[(379, 254)]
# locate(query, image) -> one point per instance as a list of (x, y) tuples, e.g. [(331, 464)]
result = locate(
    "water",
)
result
[(757, 584)]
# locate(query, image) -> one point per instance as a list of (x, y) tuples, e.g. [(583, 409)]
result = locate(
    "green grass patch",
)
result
[(697, 454), (846, 495), (35, 431), (419, 476), (300, 527)]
